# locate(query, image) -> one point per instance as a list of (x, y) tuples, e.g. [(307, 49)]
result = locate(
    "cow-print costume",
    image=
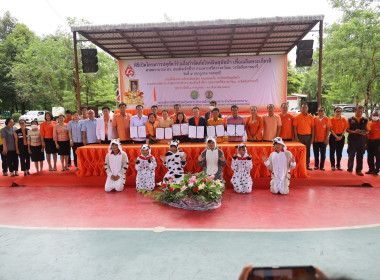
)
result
[(145, 166), (242, 180), (174, 163)]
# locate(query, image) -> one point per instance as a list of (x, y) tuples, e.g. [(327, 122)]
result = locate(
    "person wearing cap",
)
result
[(357, 137), (322, 126), (242, 165), (336, 141), (116, 165), (280, 162), (174, 160), (145, 167), (212, 159), (303, 125), (373, 146)]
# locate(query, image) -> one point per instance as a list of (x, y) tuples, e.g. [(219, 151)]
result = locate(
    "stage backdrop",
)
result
[(243, 80)]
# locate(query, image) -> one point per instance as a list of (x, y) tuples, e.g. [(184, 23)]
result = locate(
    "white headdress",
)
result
[(117, 142), (278, 140)]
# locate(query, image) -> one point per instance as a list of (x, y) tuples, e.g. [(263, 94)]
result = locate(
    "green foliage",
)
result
[(295, 79), (7, 24), (16, 116), (38, 73), (352, 57)]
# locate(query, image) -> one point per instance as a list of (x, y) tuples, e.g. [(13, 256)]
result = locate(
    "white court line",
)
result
[(162, 229)]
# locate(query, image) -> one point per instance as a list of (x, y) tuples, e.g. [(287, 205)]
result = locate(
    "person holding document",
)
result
[(196, 125), (180, 128), (215, 123), (151, 126), (236, 124), (254, 126), (139, 120), (163, 126)]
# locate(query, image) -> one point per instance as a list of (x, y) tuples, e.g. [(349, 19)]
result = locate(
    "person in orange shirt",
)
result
[(254, 126), (357, 136), (151, 126), (215, 120), (303, 125), (336, 141), (272, 124), (373, 146), (286, 132), (120, 125), (69, 116), (84, 110), (322, 126), (177, 108), (46, 130), (154, 110)]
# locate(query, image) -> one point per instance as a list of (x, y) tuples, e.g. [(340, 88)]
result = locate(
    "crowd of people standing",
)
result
[(77, 129)]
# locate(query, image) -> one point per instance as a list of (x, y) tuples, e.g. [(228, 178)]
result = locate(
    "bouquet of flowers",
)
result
[(195, 192)]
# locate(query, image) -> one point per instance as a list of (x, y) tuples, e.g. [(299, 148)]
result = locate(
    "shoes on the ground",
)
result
[(369, 172), (340, 168), (360, 173), (16, 174), (51, 169), (5, 173), (63, 169), (25, 173), (309, 168), (54, 169), (333, 168), (322, 168), (12, 175), (316, 168), (67, 169), (349, 170), (375, 173), (28, 173)]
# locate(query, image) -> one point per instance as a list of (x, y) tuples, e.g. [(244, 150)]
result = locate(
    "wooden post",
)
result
[(320, 63), (77, 88)]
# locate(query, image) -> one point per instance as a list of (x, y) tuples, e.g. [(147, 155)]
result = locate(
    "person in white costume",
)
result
[(212, 159), (145, 166), (174, 160), (116, 165), (242, 166), (280, 162)]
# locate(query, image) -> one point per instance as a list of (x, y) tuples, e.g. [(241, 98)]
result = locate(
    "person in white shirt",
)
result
[(280, 162), (104, 131), (139, 120)]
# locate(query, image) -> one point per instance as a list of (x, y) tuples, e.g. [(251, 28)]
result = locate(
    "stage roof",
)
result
[(277, 35)]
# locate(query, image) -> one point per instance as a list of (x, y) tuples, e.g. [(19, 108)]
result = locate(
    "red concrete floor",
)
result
[(90, 207)]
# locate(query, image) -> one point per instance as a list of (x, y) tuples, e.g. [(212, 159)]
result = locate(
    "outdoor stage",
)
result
[(91, 159)]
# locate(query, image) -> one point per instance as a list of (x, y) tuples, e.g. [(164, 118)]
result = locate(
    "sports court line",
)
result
[(163, 229)]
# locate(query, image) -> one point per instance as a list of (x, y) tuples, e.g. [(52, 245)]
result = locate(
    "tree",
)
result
[(295, 79), (352, 55), (7, 24)]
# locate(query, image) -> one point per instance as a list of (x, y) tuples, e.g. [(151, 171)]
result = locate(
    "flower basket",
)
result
[(198, 192)]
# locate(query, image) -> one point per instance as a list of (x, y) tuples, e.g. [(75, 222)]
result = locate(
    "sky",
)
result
[(46, 16)]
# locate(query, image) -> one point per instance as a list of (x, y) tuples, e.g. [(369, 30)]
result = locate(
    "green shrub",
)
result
[(16, 116)]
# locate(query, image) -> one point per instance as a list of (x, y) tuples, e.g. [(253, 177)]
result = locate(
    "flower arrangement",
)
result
[(195, 192)]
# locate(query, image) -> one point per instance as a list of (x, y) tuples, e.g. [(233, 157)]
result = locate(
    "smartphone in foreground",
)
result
[(283, 273)]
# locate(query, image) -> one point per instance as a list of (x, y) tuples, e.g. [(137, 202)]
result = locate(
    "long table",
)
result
[(91, 159)]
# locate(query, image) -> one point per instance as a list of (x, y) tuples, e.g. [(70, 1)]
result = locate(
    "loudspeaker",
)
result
[(89, 60), (304, 53), (313, 107)]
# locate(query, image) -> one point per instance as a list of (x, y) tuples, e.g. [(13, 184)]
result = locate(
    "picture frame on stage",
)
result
[(196, 132), (134, 85), (138, 131), (164, 133), (180, 129), (235, 130), (215, 130)]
